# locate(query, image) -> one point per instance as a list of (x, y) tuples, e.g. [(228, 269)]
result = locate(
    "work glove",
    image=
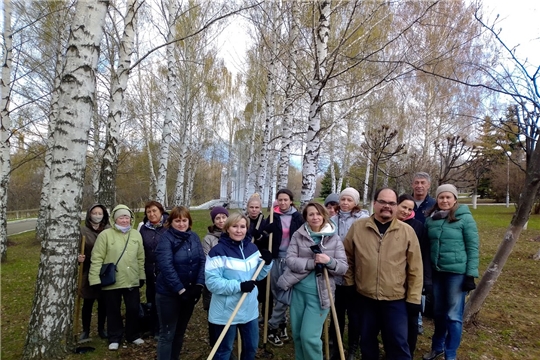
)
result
[(270, 228), (266, 255), (247, 286), (196, 292), (141, 283), (413, 309), (468, 284)]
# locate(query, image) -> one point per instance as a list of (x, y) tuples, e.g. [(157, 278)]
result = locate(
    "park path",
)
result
[(21, 226)]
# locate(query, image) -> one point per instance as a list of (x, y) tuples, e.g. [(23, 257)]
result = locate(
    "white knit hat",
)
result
[(352, 192), (121, 212), (446, 188)]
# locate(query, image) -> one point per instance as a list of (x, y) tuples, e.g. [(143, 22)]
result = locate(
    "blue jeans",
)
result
[(391, 319), (174, 314), (249, 333), (449, 302)]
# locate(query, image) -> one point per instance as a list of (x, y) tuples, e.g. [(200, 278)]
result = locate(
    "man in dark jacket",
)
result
[(422, 201)]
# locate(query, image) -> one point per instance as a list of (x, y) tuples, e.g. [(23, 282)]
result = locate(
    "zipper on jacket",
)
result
[(379, 265)]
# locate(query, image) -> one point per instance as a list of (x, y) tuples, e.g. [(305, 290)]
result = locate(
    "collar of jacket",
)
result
[(180, 235), (226, 239), (393, 226)]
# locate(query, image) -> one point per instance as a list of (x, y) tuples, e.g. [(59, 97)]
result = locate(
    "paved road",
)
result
[(20, 226)]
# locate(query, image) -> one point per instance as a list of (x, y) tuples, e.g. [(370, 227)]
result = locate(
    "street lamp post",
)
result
[(507, 179)]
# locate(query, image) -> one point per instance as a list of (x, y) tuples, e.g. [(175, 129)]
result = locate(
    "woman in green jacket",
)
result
[(121, 245), (453, 236)]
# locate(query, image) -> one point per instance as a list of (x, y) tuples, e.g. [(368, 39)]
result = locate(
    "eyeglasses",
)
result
[(386, 203)]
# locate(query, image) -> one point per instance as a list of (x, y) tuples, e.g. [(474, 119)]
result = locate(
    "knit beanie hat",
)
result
[(121, 212), (352, 192), (331, 198), (218, 210), (446, 188)]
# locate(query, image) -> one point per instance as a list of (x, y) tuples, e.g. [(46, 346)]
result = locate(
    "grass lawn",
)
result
[(507, 327)]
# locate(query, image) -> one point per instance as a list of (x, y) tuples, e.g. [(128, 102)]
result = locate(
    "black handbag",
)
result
[(107, 274)]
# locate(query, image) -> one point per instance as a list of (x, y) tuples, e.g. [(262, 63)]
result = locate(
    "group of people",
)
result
[(374, 269)]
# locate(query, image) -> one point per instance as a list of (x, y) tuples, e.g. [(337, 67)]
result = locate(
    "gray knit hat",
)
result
[(331, 198), (446, 188), (352, 192)]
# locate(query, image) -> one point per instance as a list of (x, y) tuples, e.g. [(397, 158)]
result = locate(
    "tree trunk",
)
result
[(169, 107), (269, 115), (366, 180), (119, 79), (286, 134), (311, 155), (5, 130), (50, 326), (53, 115), (520, 218), (179, 191), (248, 189)]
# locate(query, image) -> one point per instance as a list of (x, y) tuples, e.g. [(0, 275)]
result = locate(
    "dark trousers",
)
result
[(88, 304), (174, 314), (261, 297), (389, 318), (113, 300), (151, 298), (412, 329), (344, 302)]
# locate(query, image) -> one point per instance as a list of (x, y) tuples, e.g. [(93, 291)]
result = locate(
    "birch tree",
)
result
[(311, 154), (288, 112), (50, 331), (5, 128), (169, 108), (119, 80), (58, 23)]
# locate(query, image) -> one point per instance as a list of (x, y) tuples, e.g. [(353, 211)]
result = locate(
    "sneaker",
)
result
[(275, 340), (138, 341), (85, 337), (113, 346), (420, 330), (102, 334), (283, 335), (434, 354)]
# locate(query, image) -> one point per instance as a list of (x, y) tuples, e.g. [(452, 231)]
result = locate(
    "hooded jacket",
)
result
[(228, 264), (384, 267), (276, 229), (454, 246), (301, 261), (90, 235), (180, 260), (211, 239), (108, 249)]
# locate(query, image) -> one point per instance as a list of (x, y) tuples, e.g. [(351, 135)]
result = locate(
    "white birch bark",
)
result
[(53, 115), (120, 76), (5, 128), (249, 178), (269, 114), (50, 327), (169, 107), (286, 134), (313, 137)]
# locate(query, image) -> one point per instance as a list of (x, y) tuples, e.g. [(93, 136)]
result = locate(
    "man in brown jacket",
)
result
[(385, 268)]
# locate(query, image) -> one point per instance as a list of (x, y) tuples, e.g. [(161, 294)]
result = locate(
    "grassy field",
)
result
[(507, 327)]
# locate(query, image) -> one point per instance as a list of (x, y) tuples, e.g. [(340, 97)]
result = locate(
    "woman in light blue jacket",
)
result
[(229, 267)]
